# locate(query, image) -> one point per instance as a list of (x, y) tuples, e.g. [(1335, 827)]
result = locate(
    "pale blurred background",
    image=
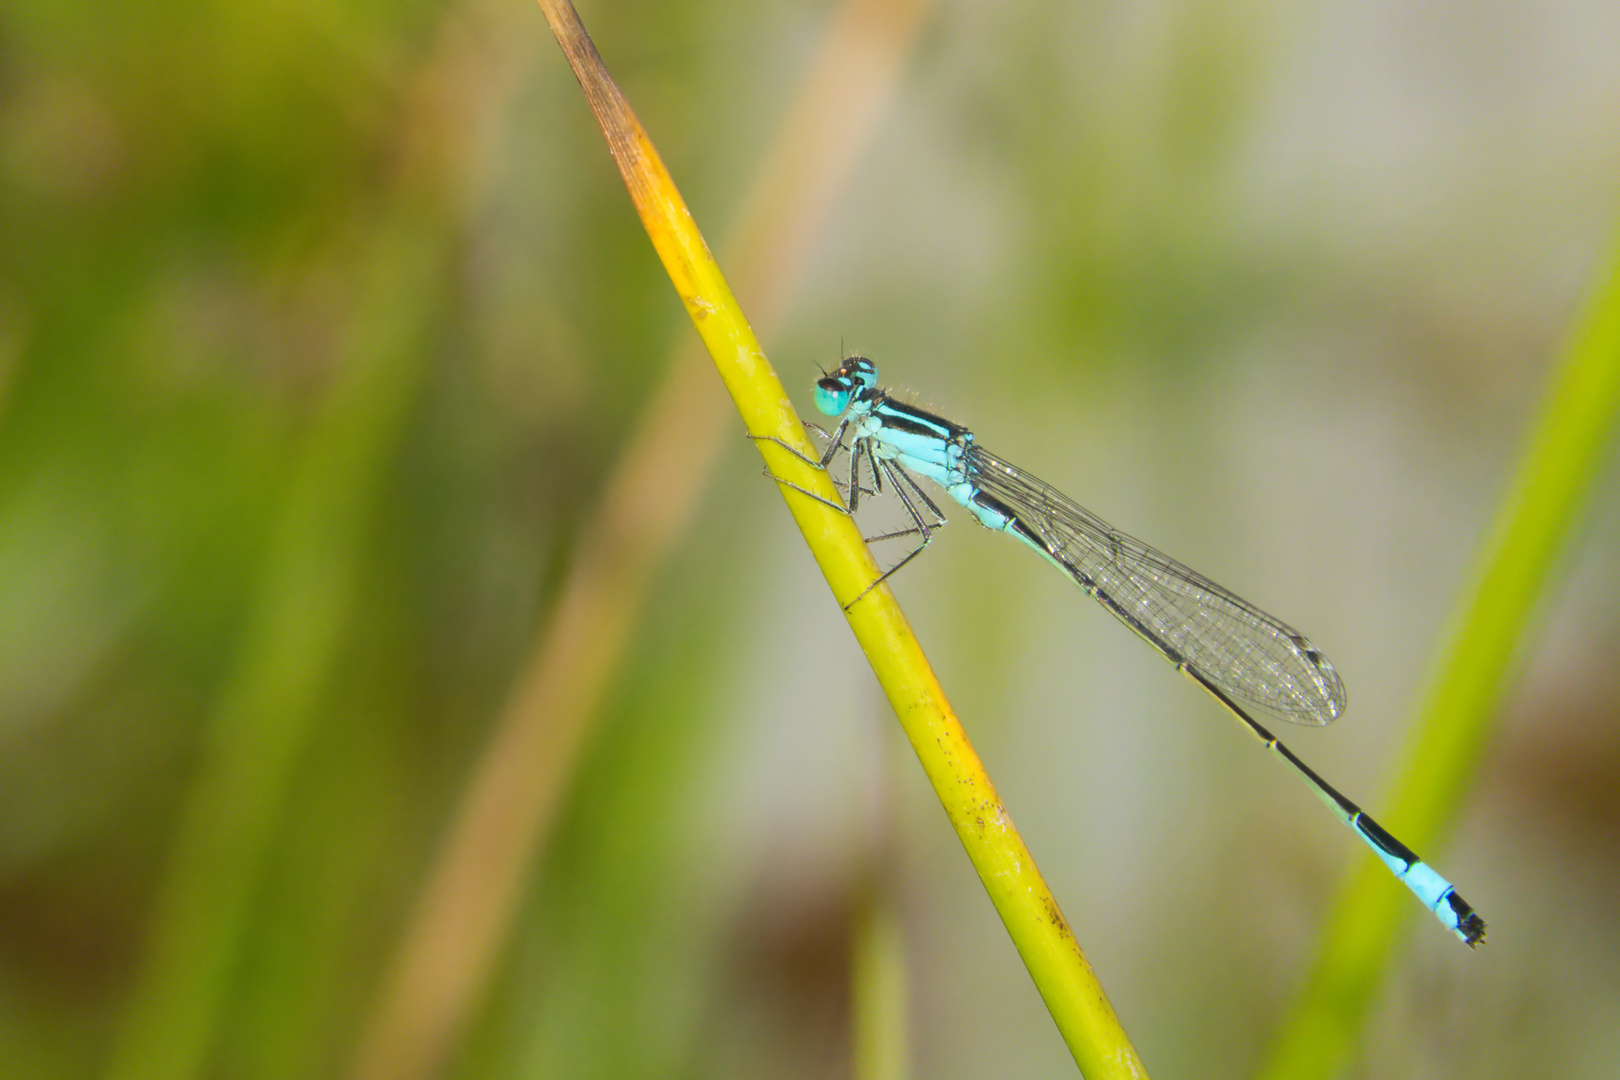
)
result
[(1276, 288)]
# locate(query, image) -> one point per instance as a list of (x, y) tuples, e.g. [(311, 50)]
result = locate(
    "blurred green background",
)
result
[(322, 326)]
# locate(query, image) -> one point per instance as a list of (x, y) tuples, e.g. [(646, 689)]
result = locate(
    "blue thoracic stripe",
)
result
[(914, 421), (1236, 652)]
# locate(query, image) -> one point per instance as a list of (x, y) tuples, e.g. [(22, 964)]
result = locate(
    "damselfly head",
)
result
[(838, 388)]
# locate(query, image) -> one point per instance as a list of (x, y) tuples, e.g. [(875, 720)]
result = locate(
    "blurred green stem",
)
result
[(303, 599), (879, 995), (1515, 566), (294, 632)]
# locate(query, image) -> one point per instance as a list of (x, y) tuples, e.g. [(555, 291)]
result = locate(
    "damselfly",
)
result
[(1247, 660)]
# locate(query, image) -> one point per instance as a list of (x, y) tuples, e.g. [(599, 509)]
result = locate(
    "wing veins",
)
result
[(1253, 656)]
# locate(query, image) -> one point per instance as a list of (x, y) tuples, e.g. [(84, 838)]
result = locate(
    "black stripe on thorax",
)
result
[(915, 421)]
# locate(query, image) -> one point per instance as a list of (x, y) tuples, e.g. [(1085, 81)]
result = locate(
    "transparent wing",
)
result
[(1253, 657)]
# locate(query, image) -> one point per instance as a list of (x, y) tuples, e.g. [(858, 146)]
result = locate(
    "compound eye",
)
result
[(832, 395)]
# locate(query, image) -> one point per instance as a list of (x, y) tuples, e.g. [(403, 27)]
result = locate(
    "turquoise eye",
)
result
[(832, 396)]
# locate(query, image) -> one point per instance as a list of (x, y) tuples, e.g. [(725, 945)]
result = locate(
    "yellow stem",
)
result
[(1027, 908)]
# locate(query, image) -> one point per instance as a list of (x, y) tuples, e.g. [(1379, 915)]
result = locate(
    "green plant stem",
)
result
[(1515, 567), (878, 990), (234, 810)]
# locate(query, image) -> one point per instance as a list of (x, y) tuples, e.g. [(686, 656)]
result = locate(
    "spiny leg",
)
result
[(920, 527), (853, 484), (863, 446), (940, 520), (836, 442)]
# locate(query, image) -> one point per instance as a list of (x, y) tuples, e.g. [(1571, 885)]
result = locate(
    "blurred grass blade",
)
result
[(879, 997), (467, 903), (305, 592), (1568, 446), (234, 810), (1004, 865)]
